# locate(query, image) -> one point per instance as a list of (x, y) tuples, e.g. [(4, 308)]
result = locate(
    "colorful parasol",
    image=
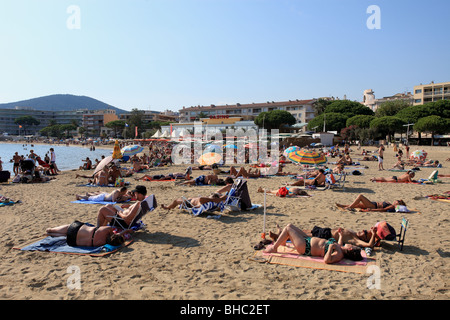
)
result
[(291, 149), (107, 160), (309, 157), (116, 153), (131, 150), (418, 155), (209, 158)]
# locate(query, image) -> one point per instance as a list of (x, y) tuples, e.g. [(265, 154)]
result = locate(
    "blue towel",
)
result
[(93, 202), (59, 244)]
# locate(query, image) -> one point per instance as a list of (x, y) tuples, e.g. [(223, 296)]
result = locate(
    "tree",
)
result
[(361, 121), (115, 125), (320, 105), (349, 108), (432, 124), (135, 120), (274, 119), (26, 121), (333, 122), (388, 125), (391, 108)]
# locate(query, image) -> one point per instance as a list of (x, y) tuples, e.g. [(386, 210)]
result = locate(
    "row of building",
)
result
[(226, 116)]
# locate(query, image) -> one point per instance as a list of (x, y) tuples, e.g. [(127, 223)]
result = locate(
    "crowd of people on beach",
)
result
[(331, 244)]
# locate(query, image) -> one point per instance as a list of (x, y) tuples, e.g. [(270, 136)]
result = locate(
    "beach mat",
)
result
[(288, 256), (59, 245)]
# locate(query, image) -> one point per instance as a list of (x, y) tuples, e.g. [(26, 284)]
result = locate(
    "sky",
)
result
[(166, 54)]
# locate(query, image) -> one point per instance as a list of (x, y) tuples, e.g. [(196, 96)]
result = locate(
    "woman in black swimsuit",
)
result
[(81, 234), (363, 203)]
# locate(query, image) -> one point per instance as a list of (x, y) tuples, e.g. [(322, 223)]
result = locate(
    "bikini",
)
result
[(72, 233), (308, 246)]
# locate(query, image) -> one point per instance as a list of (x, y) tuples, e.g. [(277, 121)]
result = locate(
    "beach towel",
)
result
[(93, 202), (287, 255), (59, 245)]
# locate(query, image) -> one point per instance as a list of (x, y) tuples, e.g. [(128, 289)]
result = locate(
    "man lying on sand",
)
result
[(195, 202), (202, 180), (366, 205), (406, 177), (363, 238), (80, 234), (119, 195), (330, 250)]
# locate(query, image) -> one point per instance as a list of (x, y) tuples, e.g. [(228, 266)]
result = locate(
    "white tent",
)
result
[(165, 134), (157, 134)]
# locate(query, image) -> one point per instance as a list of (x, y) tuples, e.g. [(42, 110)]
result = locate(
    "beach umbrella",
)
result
[(131, 150), (103, 163), (309, 157), (209, 158), (290, 149), (116, 152), (418, 155)]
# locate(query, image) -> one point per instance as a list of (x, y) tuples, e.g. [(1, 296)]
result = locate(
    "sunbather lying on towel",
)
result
[(366, 205), (291, 190), (202, 180), (119, 195), (406, 177), (330, 250), (195, 202), (318, 181), (80, 234), (363, 238)]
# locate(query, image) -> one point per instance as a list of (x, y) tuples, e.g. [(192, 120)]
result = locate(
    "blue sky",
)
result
[(166, 54)]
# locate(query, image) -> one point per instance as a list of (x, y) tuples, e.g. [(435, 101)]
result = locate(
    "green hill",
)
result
[(61, 102)]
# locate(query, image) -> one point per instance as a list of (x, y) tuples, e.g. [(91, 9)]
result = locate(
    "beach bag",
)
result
[(385, 231), (120, 182), (282, 192)]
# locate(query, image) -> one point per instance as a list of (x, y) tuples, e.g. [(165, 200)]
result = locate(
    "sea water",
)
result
[(67, 157)]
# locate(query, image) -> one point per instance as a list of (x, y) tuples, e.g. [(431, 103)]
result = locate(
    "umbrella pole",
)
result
[(263, 234)]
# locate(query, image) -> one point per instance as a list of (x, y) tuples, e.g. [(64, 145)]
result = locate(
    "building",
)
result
[(431, 92), (213, 123), (94, 120), (45, 118), (150, 116), (302, 110), (371, 102)]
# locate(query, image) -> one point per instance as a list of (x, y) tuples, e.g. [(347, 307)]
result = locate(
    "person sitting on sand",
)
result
[(87, 165), (195, 202), (122, 218), (291, 190), (330, 250), (363, 238), (119, 195), (80, 234), (366, 205), (114, 173), (399, 165), (406, 177), (339, 168), (318, 181)]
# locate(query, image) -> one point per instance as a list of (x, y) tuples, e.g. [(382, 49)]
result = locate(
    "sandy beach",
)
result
[(181, 257)]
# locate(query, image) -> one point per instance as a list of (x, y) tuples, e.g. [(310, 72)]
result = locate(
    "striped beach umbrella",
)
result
[(131, 150), (209, 158), (309, 157), (418, 155)]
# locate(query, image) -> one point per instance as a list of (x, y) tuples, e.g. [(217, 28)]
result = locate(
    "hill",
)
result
[(61, 102)]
